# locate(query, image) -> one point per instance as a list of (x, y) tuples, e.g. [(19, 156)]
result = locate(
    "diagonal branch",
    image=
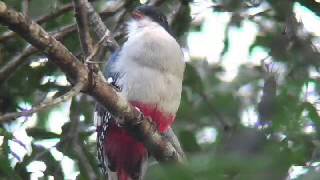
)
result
[(8, 69), (74, 91), (10, 34), (12, 65), (134, 121), (99, 28), (17, 61), (62, 10)]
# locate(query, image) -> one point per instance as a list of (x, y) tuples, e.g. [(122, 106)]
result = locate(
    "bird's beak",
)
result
[(137, 15)]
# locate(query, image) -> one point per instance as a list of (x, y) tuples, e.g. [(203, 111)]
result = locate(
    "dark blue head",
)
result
[(153, 13)]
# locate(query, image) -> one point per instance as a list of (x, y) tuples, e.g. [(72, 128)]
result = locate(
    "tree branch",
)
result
[(14, 64), (267, 105), (18, 60), (72, 138), (74, 91), (131, 118), (62, 10), (83, 28), (10, 34), (26, 6), (99, 28), (156, 2), (8, 69)]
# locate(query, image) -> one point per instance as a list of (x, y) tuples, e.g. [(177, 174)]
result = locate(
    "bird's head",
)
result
[(144, 16)]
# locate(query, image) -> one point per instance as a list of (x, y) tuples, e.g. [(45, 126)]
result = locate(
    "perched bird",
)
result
[(148, 70)]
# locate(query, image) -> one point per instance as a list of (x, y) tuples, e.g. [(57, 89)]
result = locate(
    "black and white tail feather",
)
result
[(102, 119)]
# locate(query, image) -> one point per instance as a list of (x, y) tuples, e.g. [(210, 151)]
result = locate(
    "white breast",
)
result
[(153, 68)]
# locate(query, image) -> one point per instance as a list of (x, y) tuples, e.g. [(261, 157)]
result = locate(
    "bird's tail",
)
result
[(120, 175), (123, 175), (126, 157)]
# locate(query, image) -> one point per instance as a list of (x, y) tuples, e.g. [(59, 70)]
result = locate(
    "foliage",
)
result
[(240, 148)]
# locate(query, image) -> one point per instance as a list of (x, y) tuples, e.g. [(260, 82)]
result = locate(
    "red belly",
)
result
[(124, 152)]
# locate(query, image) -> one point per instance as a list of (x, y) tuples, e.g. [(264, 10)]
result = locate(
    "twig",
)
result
[(26, 6), (83, 28), (62, 10), (81, 13), (10, 68), (83, 159), (114, 7), (252, 16), (74, 91), (18, 60), (96, 49), (267, 105), (156, 2), (174, 13), (72, 138), (100, 29)]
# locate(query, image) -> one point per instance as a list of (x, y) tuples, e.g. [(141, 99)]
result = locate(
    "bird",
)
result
[(148, 71)]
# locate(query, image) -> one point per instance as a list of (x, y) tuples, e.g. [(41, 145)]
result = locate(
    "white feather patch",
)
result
[(153, 66)]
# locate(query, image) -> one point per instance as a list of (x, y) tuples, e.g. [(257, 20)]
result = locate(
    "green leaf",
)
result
[(192, 79), (188, 141)]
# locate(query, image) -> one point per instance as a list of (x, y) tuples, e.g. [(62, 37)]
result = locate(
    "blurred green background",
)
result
[(250, 107)]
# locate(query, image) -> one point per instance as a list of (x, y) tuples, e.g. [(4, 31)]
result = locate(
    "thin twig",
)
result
[(174, 13), (74, 91), (19, 59), (96, 49), (252, 16), (61, 11), (156, 2), (72, 138), (100, 29), (267, 105), (10, 68)]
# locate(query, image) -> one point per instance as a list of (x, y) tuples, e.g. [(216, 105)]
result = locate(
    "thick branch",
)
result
[(18, 60), (12, 65), (133, 119), (41, 20), (38, 37)]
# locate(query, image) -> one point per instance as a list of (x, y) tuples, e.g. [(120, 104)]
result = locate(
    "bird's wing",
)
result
[(102, 117)]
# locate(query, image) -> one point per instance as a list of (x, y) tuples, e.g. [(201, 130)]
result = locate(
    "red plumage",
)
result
[(124, 152)]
